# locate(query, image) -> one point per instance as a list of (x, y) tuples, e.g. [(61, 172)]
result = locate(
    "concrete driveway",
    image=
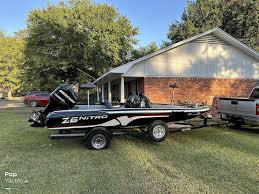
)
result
[(11, 104)]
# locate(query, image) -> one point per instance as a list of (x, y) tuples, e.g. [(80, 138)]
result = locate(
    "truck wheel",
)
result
[(236, 125), (157, 131), (98, 139), (33, 103)]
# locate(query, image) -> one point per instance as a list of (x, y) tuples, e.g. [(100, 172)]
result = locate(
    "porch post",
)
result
[(97, 93), (102, 92), (122, 90), (109, 92), (88, 100)]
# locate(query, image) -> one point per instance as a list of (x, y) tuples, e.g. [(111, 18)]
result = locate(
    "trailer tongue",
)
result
[(98, 123)]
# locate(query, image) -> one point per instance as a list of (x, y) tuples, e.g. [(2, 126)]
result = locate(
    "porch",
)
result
[(116, 89)]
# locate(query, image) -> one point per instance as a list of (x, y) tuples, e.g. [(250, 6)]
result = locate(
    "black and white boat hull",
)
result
[(83, 119)]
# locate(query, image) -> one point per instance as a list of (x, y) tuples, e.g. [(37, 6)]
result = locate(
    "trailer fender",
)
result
[(108, 131)]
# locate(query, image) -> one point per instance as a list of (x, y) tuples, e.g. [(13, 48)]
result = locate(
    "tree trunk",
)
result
[(10, 94)]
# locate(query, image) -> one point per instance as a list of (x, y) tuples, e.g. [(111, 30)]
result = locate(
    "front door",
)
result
[(133, 87)]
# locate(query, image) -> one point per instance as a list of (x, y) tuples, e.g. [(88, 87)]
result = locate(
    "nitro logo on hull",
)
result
[(82, 118)]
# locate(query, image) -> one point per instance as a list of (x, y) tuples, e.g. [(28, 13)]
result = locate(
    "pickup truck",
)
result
[(240, 111)]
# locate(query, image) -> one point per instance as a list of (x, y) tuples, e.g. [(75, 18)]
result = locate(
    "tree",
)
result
[(11, 61), (239, 18), (142, 51), (75, 34)]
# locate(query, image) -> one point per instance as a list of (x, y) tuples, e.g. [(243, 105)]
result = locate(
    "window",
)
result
[(42, 94), (255, 93)]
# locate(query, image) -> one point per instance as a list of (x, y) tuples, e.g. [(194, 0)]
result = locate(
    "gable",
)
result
[(207, 56), (211, 39), (210, 54)]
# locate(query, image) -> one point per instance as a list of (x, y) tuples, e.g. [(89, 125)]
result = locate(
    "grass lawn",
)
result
[(207, 160)]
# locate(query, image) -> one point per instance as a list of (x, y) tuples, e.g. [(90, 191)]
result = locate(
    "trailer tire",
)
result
[(157, 131), (98, 139)]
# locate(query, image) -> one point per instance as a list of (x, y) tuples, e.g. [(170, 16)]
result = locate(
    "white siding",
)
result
[(173, 61), (162, 64), (212, 60), (205, 57), (199, 57), (150, 67)]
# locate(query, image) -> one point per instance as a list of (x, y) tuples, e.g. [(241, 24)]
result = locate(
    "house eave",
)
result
[(108, 76)]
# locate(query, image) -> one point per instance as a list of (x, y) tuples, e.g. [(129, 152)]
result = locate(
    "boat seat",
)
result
[(107, 104)]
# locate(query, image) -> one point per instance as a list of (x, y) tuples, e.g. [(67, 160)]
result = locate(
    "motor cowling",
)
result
[(62, 98)]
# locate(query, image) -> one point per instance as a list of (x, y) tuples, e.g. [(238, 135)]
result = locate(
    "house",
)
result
[(210, 64)]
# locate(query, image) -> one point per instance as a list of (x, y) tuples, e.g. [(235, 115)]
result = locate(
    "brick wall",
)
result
[(198, 89)]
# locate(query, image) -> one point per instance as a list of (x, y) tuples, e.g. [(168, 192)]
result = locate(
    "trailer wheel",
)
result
[(98, 139), (157, 131)]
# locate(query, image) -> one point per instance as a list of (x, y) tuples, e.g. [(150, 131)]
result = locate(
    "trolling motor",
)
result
[(174, 85), (62, 98)]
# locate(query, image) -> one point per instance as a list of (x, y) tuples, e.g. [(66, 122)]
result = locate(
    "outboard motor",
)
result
[(62, 98)]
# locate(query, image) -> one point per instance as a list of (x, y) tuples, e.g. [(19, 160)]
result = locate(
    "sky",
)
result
[(152, 17)]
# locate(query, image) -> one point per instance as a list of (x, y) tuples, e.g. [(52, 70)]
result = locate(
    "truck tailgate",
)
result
[(237, 106)]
